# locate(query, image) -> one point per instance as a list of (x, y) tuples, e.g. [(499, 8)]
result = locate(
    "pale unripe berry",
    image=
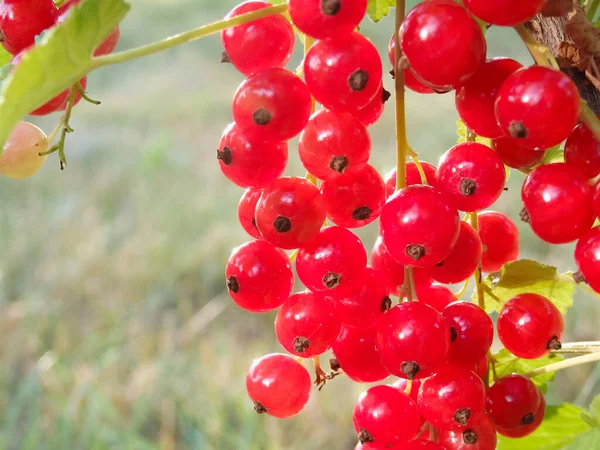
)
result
[(21, 158)]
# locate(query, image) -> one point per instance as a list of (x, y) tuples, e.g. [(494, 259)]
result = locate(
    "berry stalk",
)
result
[(479, 287), (579, 347), (401, 141), (577, 361)]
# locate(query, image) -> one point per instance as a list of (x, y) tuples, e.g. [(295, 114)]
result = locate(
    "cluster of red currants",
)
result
[(436, 346)]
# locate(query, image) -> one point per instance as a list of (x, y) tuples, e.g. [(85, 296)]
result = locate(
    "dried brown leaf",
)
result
[(582, 33)]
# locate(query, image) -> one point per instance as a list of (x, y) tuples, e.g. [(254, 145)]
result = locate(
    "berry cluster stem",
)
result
[(479, 286), (577, 361), (402, 149), (579, 347)]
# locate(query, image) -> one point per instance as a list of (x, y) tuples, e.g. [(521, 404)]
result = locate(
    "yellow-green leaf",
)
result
[(554, 155), (507, 363), (378, 9), (587, 441), (461, 131)]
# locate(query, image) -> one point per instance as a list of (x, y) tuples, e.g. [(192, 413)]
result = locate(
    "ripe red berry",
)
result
[(558, 200), (596, 204), (412, 176), (513, 401), (332, 260), (471, 333), (462, 261), (323, 19), (259, 276), (290, 212), (355, 351), (413, 340), (354, 198), (481, 367), (258, 45), (422, 444), (239, 159), (525, 430), (441, 62), (385, 417), (272, 106), (410, 80), (582, 150), (343, 74), (475, 100), (22, 20), (529, 326), (587, 257), (333, 142), (278, 385), (436, 296), (500, 238), (371, 113), (505, 12), (479, 435), (418, 226), (538, 107), (307, 324), (515, 156), (247, 211)]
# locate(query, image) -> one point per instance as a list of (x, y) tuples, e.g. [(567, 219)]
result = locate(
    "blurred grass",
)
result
[(116, 331)]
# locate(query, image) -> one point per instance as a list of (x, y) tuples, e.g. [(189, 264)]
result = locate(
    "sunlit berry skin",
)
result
[(343, 74), (355, 351), (472, 333), (355, 198), (475, 99), (538, 107), (500, 239), (335, 258), (290, 212), (307, 324), (422, 444), (239, 159), (385, 417), (587, 257), (412, 176), (327, 19), (515, 156), (418, 226), (259, 276), (463, 259), (413, 340), (479, 435), (441, 62), (278, 385), (481, 367), (596, 204), (272, 106), (371, 113), (513, 401), (410, 80), (582, 150), (22, 20), (247, 210), (526, 430), (558, 199), (471, 175), (435, 295), (258, 45), (505, 12), (333, 142), (529, 326)]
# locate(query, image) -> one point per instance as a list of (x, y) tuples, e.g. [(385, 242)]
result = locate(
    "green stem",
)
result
[(479, 286), (583, 285), (188, 36), (585, 359), (591, 9), (401, 141)]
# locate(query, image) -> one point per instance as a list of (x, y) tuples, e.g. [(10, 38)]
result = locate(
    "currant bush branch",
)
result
[(577, 361)]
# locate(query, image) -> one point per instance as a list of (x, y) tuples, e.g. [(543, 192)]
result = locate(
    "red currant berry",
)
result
[(500, 238), (422, 444), (258, 45), (526, 430), (343, 74), (475, 100), (385, 417), (558, 200), (259, 276), (441, 62), (463, 260), (538, 107), (481, 367), (354, 198), (323, 19), (334, 259), (333, 142), (272, 106), (471, 333), (412, 176), (515, 156), (413, 340), (505, 12), (587, 257), (582, 150), (22, 20), (513, 401), (436, 296), (452, 398), (418, 226), (239, 159), (410, 80), (290, 212), (278, 385), (480, 435), (402, 384), (529, 326), (597, 200), (355, 352), (247, 211), (307, 324), (371, 113)]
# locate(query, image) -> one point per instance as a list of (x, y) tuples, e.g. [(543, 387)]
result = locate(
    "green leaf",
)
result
[(526, 276), (554, 155), (561, 426), (461, 131), (507, 363), (587, 441), (62, 57), (5, 57), (378, 9), (595, 409)]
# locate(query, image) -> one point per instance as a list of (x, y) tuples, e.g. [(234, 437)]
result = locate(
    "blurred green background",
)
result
[(116, 329)]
